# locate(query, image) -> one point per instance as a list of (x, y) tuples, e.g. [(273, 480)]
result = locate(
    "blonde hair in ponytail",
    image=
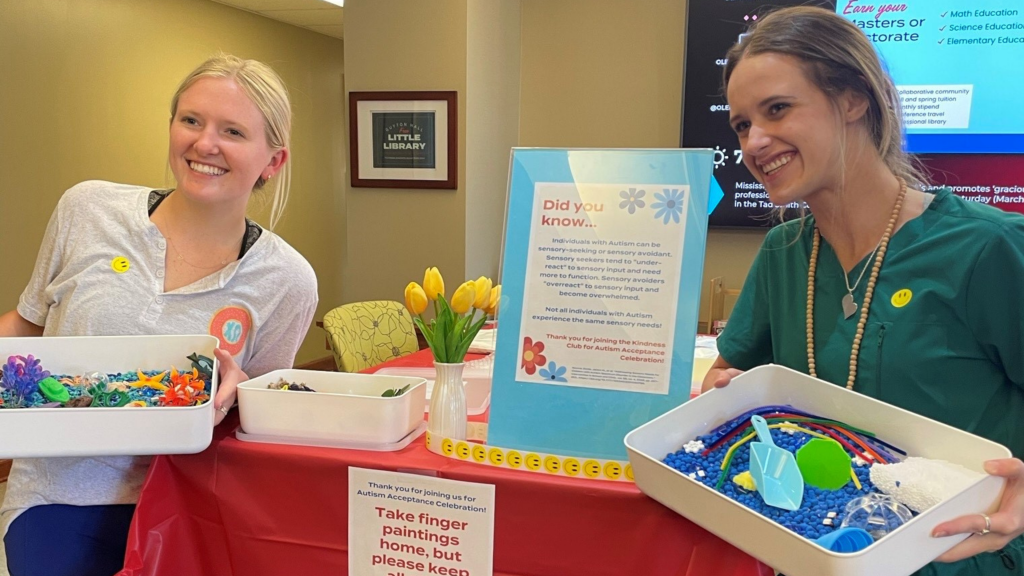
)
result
[(266, 90)]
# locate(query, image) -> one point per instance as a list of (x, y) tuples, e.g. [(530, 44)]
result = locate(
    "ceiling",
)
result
[(316, 15)]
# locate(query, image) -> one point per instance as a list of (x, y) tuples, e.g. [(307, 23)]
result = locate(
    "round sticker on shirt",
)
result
[(902, 298), (120, 264), (231, 326)]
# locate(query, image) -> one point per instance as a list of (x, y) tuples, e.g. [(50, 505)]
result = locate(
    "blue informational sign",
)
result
[(601, 278)]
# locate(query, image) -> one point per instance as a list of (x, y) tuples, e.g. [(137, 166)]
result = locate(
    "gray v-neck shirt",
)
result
[(259, 307)]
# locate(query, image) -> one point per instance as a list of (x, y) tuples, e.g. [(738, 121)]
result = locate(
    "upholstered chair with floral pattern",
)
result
[(365, 334)]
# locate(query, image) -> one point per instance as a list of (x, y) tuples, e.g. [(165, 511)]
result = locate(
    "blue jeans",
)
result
[(61, 540)]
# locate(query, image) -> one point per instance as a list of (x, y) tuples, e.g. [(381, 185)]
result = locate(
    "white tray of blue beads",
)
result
[(796, 541), (109, 429)]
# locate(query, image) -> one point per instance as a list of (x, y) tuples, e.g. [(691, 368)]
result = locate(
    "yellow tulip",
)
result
[(433, 284), (492, 301), (415, 299), (482, 285), (463, 298)]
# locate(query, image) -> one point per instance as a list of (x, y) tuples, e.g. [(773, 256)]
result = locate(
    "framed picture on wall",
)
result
[(404, 139)]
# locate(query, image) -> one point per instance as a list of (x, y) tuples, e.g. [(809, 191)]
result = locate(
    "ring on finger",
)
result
[(224, 409), (988, 526)]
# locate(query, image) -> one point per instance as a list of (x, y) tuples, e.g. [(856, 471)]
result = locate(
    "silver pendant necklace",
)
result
[(849, 304)]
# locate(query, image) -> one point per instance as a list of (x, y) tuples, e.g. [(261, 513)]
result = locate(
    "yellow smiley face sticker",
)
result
[(514, 459), (479, 453), (532, 461), (497, 457), (447, 447), (591, 468), (902, 298), (120, 264), (629, 471), (462, 450), (612, 470), (571, 466), (551, 464)]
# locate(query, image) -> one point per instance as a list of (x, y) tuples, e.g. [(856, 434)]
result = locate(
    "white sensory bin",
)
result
[(102, 431), (344, 408), (900, 553)]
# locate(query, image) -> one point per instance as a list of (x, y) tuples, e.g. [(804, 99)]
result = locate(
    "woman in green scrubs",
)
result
[(903, 295)]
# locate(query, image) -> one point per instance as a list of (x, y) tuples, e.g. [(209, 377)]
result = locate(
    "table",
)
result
[(247, 509)]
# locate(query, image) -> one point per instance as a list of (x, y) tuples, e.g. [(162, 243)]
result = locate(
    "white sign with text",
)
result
[(602, 285), (411, 525)]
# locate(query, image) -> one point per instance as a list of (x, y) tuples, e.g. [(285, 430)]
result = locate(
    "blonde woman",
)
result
[(899, 294), (196, 264)]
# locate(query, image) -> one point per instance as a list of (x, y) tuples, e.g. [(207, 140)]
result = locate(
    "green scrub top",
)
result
[(952, 351)]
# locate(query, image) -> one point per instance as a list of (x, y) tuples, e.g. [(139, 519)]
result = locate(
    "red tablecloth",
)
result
[(247, 509)]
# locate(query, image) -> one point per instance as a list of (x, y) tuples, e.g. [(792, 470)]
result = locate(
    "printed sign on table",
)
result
[(411, 525), (596, 296), (601, 278)]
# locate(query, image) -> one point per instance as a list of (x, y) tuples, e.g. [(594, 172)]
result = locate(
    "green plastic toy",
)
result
[(53, 390), (113, 399), (203, 364), (396, 391), (824, 464)]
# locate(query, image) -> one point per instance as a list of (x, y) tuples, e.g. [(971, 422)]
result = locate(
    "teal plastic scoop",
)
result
[(775, 470)]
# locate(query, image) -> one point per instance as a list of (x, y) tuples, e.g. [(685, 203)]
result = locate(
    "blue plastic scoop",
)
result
[(775, 470), (848, 540)]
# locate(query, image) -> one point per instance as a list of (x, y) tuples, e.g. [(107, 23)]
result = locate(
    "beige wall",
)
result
[(602, 73), (394, 234), (86, 87), (589, 73), (492, 126), (85, 92), (609, 73)]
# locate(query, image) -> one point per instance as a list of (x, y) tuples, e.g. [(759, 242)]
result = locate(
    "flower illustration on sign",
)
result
[(669, 205), (553, 372), (632, 199), (533, 355)]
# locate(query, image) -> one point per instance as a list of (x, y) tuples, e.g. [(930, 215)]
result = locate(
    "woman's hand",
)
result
[(230, 376), (1006, 523), (719, 375)]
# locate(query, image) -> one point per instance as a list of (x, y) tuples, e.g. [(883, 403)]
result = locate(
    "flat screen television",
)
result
[(959, 68)]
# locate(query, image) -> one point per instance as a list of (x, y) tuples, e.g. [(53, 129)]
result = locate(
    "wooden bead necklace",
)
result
[(869, 291)]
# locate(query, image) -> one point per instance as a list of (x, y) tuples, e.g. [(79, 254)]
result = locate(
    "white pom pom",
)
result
[(920, 483), (693, 446)]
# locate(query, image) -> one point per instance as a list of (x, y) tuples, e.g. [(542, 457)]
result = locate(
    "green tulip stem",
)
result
[(449, 335)]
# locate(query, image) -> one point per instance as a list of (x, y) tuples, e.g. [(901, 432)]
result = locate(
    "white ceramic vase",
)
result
[(447, 418)]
